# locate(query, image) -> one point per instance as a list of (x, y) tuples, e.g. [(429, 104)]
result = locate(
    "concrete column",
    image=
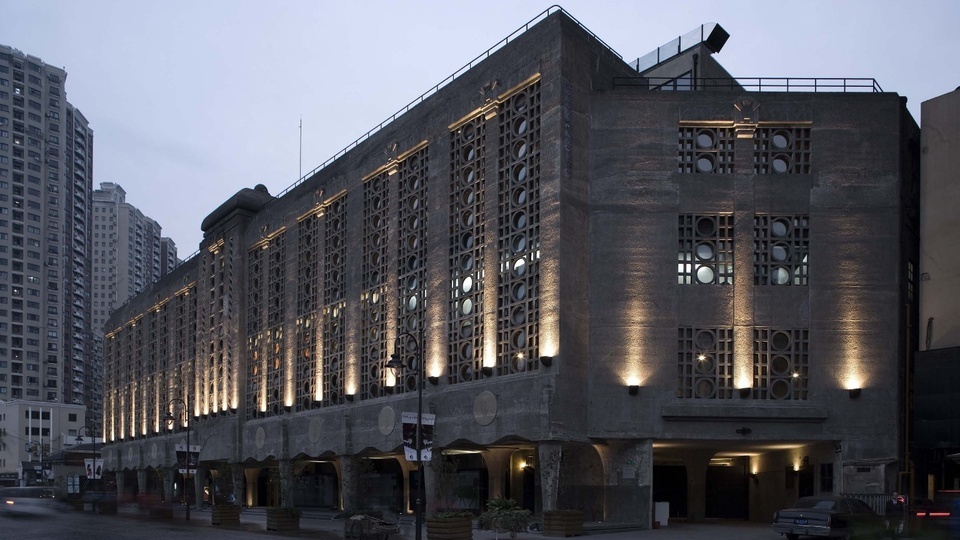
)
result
[(252, 476), (348, 482), (168, 476), (628, 481), (120, 485), (429, 490), (141, 481), (408, 493), (286, 482), (199, 482), (548, 460), (498, 462), (696, 462), (236, 471)]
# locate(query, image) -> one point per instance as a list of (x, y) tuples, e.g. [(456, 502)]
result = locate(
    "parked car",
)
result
[(30, 500), (828, 517)]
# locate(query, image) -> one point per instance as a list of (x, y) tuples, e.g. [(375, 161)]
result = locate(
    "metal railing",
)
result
[(761, 84)]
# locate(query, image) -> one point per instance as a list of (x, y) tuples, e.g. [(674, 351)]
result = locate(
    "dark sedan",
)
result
[(828, 517)]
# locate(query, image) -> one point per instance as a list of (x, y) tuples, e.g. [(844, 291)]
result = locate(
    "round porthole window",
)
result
[(469, 153), (780, 252), (520, 102), (780, 365), (781, 140), (467, 284), (780, 276), (706, 139), (704, 388), (466, 307), (468, 132), (705, 274), (780, 389), (705, 251), (520, 149), (706, 163), (519, 267), (706, 340), (780, 341), (780, 227), (706, 227), (781, 164), (520, 126)]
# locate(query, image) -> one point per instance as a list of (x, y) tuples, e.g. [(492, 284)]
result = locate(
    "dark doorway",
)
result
[(727, 492), (529, 489), (670, 485), (805, 481)]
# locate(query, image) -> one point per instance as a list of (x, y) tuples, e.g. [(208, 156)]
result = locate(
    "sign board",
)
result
[(410, 435), (182, 458), (94, 468)]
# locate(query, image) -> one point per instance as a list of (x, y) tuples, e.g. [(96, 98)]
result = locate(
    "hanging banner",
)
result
[(94, 468), (182, 458), (410, 435)]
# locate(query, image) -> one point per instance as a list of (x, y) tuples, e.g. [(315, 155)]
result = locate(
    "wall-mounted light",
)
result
[(547, 361), (744, 431), (755, 478), (633, 389), (349, 397), (434, 380), (745, 392), (854, 393), (486, 370)]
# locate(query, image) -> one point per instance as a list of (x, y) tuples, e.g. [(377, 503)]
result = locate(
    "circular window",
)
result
[(520, 102), (412, 262), (519, 196), (706, 163), (705, 274), (413, 182), (519, 291), (780, 227), (335, 259), (466, 307), (374, 299), (466, 197), (704, 388), (413, 164), (519, 220), (466, 351), (705, 365), (413, 202), (781, 164), (705, 251), (706, 139), (466, 218), (520, 126), (375, 258), (520, 173), (466, 240), (706, 227), (411, 303), (781, 140), (518, 315), (468, 175), (468, 132), (780, 276), (466, 262), (467, 284), (469, 153), (780, 365), (520, 149), (780, 389), (518, 362), (780, 251), (780, 341), (412, 323), (519, 339), (706, 340), (519, 243), (413, 241), (378, 202), (465, 373), (413, 223), (466, 329), (519, 267)]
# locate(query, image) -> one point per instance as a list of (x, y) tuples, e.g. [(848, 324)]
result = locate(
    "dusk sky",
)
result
[(190, 101)]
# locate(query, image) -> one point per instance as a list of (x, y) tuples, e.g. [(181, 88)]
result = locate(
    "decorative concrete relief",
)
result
[(485, 408), (260, 438), (387, 420), (315, 429), (549, 457), (153, 452), (746, 116)]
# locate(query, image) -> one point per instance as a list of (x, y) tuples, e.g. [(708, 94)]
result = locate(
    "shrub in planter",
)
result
[(504, 515), (225, 514), (283, 518), (450, 526)]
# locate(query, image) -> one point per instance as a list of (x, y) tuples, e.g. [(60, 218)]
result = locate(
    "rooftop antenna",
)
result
[(301, 147)]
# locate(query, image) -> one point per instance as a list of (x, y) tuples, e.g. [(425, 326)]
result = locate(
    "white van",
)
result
[(30, 500)]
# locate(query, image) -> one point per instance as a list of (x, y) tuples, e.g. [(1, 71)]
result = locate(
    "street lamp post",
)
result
[(396, 364), (170, 419), (79, 440)]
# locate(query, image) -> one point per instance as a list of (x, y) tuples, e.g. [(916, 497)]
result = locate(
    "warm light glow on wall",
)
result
[(549, 306), (289, 370), (743, 356), (632, 366), (854, 361), (318, 361)]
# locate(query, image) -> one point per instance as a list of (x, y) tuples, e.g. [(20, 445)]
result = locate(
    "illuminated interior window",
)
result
[(706, 249), (781, 250)]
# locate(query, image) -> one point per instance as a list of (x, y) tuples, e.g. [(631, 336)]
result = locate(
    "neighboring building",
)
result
[(128, 251), (620, 294), (30, 433), (936, 426), (46, 167)]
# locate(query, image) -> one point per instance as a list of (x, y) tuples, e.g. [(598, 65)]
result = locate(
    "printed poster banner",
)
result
[(410, 435), (182, 458), (94, 468)]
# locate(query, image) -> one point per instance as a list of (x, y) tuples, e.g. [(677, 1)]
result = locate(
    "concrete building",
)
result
[(128, 251), (30, 433), (625, 282), (936, 382), (46, 166)]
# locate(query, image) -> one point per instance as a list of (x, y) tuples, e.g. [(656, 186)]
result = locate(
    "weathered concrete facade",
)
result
[(620, 294)]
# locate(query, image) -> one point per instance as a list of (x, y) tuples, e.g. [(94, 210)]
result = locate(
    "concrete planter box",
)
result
[(226, 514), (563, 523), (458, 528), (283, 519)]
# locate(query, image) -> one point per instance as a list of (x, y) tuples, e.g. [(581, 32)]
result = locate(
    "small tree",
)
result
[(504, 515)]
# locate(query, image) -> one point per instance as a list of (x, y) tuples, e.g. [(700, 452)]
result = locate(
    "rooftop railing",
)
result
[(761, 84)]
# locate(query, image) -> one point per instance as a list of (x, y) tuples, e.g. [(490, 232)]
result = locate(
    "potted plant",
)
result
[(283, 518), (568, 522), (504, 515), (450, 526)]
